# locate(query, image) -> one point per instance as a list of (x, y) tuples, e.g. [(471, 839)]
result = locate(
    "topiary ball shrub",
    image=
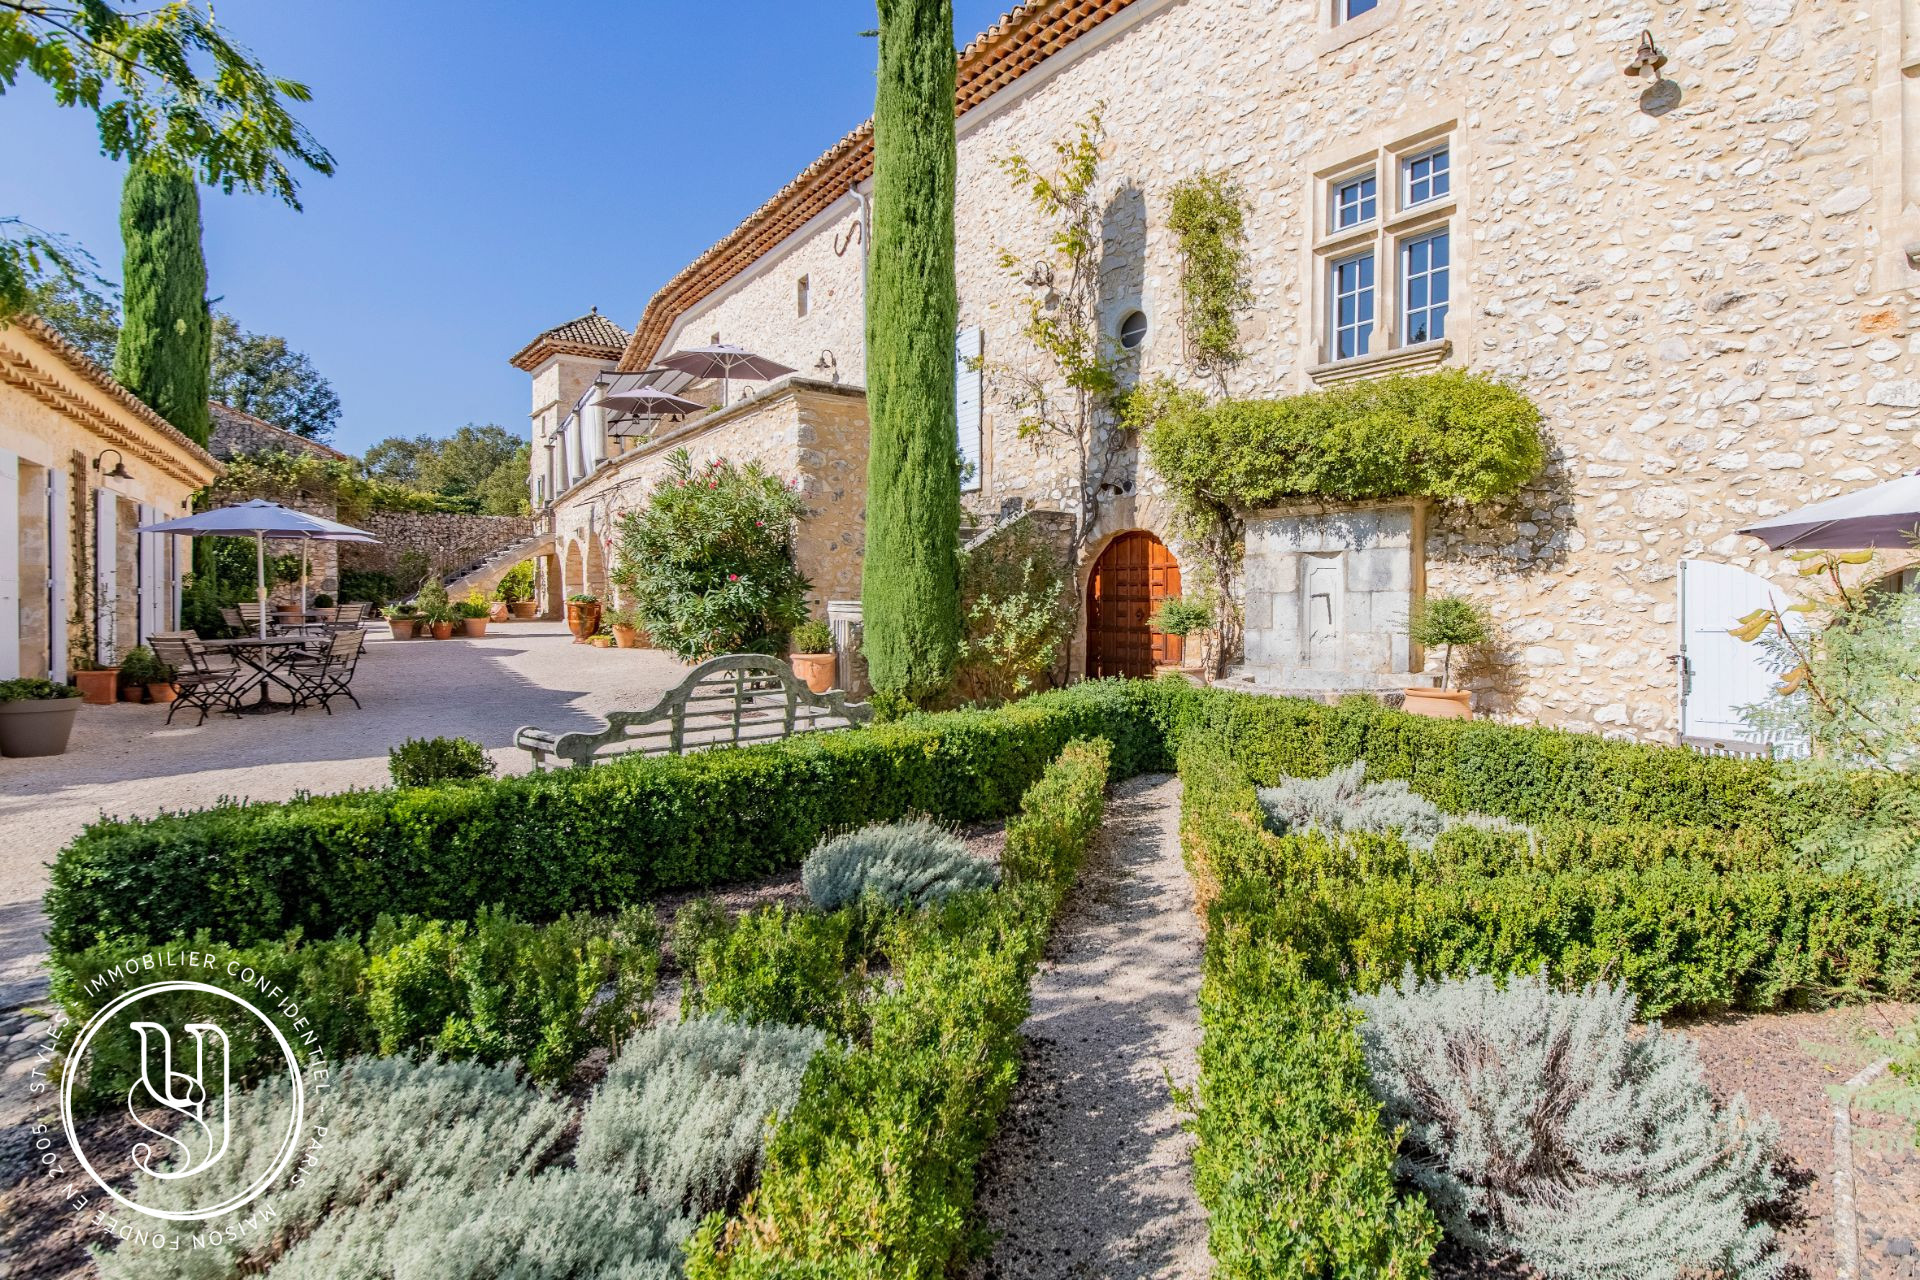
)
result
[(421, 762), (1538, 1124), (901, 863)]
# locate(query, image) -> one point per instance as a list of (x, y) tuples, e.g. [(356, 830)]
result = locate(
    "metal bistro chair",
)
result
[(199, 683), (250, 619), (324, 674), (230, 614), (348, 617)]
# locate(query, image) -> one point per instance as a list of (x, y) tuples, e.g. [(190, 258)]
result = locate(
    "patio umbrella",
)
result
[(260, 520), (647, 402), (1884, 516), (725, 363)]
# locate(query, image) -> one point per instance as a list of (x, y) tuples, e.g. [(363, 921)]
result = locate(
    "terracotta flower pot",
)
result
[(1440, 704), (497, 611), (626, 637), (583, 619), (404, 628), (443, 631), (99, 687), (600, 642), (473, 628), (37, 726), (161, 691), (814, 668), (522, 609)]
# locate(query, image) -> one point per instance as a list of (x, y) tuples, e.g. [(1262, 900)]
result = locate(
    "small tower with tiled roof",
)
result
[(564, 361)]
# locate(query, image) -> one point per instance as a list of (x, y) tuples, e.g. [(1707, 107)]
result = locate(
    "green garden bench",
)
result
[(729, 701)]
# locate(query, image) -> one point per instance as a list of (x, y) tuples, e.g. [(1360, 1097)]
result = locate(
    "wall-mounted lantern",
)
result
[(1647, 60), (119, 470)]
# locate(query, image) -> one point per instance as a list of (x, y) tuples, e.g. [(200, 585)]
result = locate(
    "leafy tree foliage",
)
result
[(165, 348), (260, 374), (165, 84), (1208, 214), (484, 467), (911, 582), (87, 318), (708, 562)]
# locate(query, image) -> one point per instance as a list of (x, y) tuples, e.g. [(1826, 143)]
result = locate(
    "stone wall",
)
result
[(1698, 281), (812, 433), (450, 542)]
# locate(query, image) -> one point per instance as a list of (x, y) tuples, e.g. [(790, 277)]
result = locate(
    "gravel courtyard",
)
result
[(124, 760)]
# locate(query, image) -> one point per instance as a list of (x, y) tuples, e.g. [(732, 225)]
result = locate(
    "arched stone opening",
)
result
[(1133, 573)]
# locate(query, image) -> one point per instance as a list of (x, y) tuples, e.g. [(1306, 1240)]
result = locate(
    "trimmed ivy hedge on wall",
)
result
[(1452, 436)]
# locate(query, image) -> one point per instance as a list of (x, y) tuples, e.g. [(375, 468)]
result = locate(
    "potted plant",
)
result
[(144, 678), (1444, 622), (98, 685), (812, 655), (404, 620), (36, 716), (323, 601), (1181, 617), (472, 615), (515, 592), (440, 622), (626, 628), (583, 616)]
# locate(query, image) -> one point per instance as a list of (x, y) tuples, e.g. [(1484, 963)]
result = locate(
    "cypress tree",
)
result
[(911, 579), (166, 337)]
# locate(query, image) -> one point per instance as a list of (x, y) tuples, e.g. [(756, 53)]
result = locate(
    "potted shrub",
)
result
[(323, 601), (812, 655), (36, 716), (98, 685), (1181, 617), (404, 620), (1444, 622), (144, 678), (583, 616), (472, 615), (515, 592), (626, 628), (440, 622)]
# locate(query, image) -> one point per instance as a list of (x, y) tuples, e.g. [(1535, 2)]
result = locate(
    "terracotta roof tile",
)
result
[(237, 431), (590, 334), (1023, 38)]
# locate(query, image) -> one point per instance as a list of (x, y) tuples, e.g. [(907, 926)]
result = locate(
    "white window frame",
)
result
[(1363, 330), (1404, 247), (1407, 162), (1343, 10), (1388, 238), (1334, 207)]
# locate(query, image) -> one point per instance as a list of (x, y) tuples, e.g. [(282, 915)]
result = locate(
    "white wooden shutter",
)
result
[(1723, 673), (966, 398), (106, 572), (59, 569), (9, 565), (152, 561)]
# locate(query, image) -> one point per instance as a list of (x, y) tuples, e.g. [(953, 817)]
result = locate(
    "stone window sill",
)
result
[(1421, 355)]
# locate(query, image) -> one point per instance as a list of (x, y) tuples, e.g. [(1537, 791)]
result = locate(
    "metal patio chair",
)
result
[(321, 675), (198, 682)]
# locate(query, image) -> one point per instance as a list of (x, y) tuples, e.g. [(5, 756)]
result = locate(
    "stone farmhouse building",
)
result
[(84, 463), (1703, 275)]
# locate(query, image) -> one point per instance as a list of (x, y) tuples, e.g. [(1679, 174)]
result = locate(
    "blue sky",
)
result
[(502, 167)]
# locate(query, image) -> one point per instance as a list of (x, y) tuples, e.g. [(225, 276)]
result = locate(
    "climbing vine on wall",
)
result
[(1208, 215)]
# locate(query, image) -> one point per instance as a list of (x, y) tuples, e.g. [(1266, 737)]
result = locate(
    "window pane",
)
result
[(1428, 177), (1352, 309), (1424, 299), (1355, 201), (1354, 8)]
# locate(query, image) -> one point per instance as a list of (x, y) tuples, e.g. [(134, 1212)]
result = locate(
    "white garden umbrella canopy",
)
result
[(261, 520), (1884, 516)]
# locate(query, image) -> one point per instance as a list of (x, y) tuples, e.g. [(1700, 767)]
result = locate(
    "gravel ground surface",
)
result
[(1090, 1177)]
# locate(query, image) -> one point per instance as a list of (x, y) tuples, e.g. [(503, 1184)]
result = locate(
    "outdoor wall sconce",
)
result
[(829, 364), (1647, 60), (119, 471)]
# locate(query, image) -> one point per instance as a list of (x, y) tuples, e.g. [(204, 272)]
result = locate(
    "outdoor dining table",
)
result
[(267, 657)]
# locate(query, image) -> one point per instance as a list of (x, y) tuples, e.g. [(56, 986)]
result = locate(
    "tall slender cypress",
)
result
[(166, 338), (911, 580)]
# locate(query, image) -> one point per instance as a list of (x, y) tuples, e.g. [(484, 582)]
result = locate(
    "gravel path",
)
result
[(1090, 1177), (126, 760)]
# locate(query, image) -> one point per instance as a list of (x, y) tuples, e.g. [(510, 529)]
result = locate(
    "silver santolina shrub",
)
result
[(902, 863), (1345, 801), (457, 1171), (1538, 1124)]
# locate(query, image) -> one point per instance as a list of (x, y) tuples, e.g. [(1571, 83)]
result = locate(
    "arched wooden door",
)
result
[(1129, 580)]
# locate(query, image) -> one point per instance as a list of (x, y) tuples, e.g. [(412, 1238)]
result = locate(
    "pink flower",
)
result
[(733, 577), (760, 524)]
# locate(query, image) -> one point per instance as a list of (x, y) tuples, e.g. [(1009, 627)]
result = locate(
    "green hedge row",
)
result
[(872, 1175), (492, 989), (1693, 919), (579, 839)]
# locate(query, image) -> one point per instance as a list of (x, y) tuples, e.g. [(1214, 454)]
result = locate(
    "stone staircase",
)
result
[(485, 574)]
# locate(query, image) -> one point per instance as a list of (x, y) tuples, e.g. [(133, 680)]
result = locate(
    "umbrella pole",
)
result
[(304, 544), (260, 568)]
